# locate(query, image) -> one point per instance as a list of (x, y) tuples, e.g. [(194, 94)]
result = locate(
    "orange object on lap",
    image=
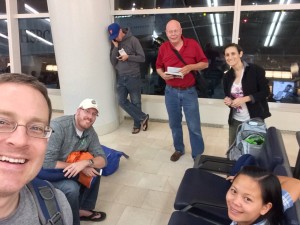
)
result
[(78, 156)]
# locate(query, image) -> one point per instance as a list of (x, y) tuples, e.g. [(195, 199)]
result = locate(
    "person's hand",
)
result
[(227, 101), (91, 172), (237, 102), (230, 178), (74, 168), (123, 57), (167, 76), (185, 70), (115, 43)]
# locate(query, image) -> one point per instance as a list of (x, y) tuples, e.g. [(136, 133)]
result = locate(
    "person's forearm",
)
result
[(61, 165), (99, 162), (247, 99), (291, 185), (136, 58), (199, 66)]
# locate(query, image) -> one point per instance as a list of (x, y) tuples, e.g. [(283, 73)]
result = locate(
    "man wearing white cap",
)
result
[(71, 134)]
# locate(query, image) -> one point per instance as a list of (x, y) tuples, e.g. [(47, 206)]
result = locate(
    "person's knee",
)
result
[(194, 128), (71, 189), (122, 102)]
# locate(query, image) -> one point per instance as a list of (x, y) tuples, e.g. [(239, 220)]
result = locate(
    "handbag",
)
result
[(200, 82)]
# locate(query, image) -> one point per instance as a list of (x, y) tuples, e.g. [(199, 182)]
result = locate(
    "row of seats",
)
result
[(201, 195)]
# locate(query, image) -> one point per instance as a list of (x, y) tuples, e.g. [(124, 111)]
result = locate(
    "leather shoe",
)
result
[(135, 130), (176, 155)]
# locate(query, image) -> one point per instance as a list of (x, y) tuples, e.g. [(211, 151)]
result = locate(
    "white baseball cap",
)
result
[(89, 103)]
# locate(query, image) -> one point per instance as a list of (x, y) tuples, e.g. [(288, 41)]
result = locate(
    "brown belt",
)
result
[(181, 88)]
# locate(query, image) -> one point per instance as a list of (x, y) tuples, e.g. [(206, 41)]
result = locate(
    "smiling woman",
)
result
[(246, 90), (259, 197)]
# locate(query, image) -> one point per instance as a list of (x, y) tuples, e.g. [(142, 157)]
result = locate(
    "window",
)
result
[(151, 4), (271, 39), (37, 51), (4, 52), (211, 30), (2, 7), (269, 2), (32, 6)]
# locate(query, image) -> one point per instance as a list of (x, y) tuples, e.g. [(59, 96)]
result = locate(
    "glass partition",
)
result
[(4, 52), (271, 39), (269, 2), (211, 30), (37, 51), (2, 7), (32, 6), (156, 4)]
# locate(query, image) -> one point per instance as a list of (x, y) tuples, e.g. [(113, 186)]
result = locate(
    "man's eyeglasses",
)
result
[(94, 114), (32, 129)]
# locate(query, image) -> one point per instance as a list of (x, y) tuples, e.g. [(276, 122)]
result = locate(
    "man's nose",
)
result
[(19, 136)]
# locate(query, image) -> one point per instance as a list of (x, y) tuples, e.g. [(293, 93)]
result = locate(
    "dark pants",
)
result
[(131, 85), (79, 197)]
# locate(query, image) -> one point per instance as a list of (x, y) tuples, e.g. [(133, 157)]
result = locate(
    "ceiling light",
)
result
[(3, 36), (215, 24), (28, 8), (274, 28)]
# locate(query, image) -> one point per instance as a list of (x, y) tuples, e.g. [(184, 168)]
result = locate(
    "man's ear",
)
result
[(266, 208), (241, 54), (77, 111)]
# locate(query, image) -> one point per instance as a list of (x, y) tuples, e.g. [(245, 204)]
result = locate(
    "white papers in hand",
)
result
[(174, 71)]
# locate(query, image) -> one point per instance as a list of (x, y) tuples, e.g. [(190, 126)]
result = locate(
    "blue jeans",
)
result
[(131, 85), (79, 197), (176, 100)]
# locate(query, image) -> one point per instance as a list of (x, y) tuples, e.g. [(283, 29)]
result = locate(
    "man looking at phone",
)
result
[(126, 54)]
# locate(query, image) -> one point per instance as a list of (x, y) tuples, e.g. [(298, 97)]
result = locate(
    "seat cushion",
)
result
[(203, 190), (184, 218)]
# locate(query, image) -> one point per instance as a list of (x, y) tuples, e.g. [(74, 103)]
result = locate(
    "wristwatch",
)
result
[(91, 162)]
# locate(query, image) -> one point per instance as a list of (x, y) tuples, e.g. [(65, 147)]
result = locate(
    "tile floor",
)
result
[(143, 190)]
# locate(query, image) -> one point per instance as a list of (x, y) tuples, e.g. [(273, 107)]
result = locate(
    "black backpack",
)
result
[(44, 195)]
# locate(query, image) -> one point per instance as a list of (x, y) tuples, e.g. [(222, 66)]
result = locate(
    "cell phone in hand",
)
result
[(122, 52)]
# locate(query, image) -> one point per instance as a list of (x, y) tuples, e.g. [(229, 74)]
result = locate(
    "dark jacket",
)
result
[(135, 52), (255, 85)]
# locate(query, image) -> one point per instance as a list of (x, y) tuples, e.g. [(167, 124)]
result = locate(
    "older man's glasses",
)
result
[(35, 130)]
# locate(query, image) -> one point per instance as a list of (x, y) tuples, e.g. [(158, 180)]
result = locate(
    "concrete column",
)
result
[(79, 31)]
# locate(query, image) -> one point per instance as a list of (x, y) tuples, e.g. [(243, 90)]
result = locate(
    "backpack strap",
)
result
[(44, 195)]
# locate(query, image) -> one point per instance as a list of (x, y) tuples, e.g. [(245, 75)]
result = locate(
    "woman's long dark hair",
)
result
[(271, 192)]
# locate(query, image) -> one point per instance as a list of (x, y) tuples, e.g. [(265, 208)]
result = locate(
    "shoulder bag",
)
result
[(200, 82)]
